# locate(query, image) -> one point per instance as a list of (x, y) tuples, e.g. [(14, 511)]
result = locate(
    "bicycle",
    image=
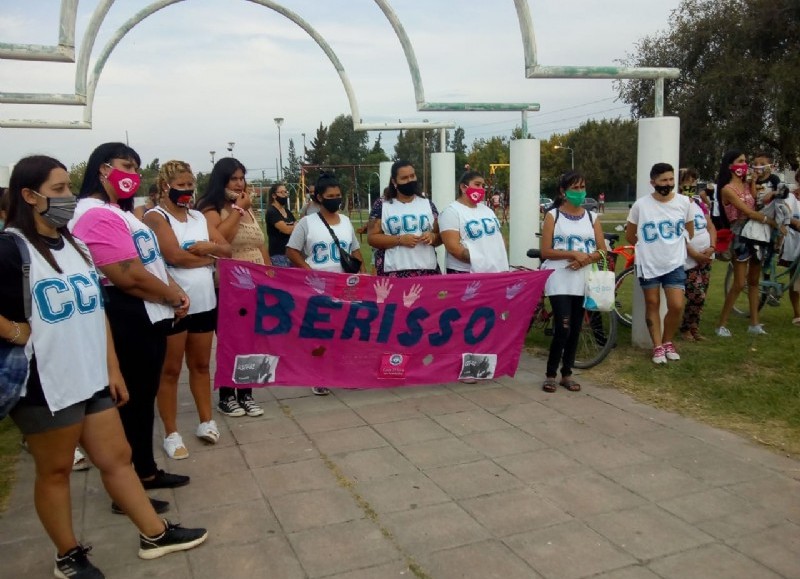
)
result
[(778, 277), (624, 281), (598, 332)]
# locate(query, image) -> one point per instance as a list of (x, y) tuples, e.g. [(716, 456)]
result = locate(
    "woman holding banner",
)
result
[(226, 207), (471, 232), (404, 226), (572, 238), (317, 240)]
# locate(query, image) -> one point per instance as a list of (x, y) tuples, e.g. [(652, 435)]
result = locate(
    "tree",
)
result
[(345, 145), (738, 86), (486, 152), (460, 149), (291, 173), (76, 174), (318, 151)]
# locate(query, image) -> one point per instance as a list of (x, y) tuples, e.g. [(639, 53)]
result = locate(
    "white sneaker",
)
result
[(174, 447), (208, 431), (670, 353), (757, 330), (723, 332), (659, 356), (79, 462)]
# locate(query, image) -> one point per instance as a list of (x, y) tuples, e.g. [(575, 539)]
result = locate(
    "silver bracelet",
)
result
[(18, 332)]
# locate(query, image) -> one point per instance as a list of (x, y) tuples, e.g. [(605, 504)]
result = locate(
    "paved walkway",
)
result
[(496, 480)]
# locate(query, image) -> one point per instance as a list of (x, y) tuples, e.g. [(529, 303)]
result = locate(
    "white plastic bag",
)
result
[(599, 290)]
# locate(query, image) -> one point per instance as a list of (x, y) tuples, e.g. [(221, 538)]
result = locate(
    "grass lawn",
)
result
[(9, 449)]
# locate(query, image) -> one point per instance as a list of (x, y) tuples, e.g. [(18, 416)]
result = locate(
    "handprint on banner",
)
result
[(471, 291), (382, 288), (243, 279), (513, 290), (412, 295), (316, 283)]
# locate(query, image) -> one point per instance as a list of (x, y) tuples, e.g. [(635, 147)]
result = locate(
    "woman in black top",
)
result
[(280, 224)]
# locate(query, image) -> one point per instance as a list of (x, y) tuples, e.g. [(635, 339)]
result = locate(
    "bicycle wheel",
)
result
[(623, 296), (598, 336), (741, 307)]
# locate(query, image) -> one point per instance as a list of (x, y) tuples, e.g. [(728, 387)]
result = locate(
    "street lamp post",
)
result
[(571, 154), (230, 147), (279, 122), (212, 157), (304, 146)]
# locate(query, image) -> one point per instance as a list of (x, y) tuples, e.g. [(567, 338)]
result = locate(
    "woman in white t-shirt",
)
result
[(572, 238), (471, 232), (311, 245), (189, 247)]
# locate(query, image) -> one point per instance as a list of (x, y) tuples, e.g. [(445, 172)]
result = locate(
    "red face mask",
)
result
[(740, 170), (476, 194), (125, 184)]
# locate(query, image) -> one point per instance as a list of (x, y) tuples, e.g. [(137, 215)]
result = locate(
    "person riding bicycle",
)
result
[(571, 238)]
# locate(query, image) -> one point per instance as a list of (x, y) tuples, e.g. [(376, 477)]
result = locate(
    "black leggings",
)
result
[(567, 322), (140, 347)]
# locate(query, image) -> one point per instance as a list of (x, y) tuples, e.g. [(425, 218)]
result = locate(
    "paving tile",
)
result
[(443, 403), (568, 551), (411, 431), (487, 560), (374, 463), (524, 414), (471, 421), (172, 567), (515, 511), (584, 495), (312, 404), (574, 404), (389, 411), (288, 392), (347, 440), (329, 420), (407, 392), (278, 451), (235, 523), (618, 423), (777, 548), (497, 443), (220, 490), (441, 452), (246, 560), (718, 468), (294, 477), (648, 532), (357, 398), (704, 506), (751, 520), (559, 431), (396, 570), (307, 509), (34, 557), (259, 430), (473, 479), (497, 397), (633, 572), (540, 465), (604, 453), (778, 493), (655, 480), (711, 561), (434, 528), (343, 547), (219, 460), (665, 442), (401, 493)]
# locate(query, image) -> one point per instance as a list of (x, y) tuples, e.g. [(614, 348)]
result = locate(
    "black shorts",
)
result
[(198, 323), (37, 418)]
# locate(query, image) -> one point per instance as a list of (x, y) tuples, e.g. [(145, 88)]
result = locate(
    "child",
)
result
[(657, 225)]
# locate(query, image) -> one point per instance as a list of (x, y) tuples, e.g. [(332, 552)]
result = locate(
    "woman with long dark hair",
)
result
[(72, 397), (143, 300), (737, 205), (404, 227), (227, 209), (280, 224)]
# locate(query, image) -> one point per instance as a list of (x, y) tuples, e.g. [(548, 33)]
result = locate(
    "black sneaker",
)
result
[(158, 506), (320, 391), (230, 407), (165, 480), (76, 565), (174, 538), (250, 406)]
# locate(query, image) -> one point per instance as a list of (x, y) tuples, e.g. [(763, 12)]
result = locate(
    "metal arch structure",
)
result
[(85, 86)]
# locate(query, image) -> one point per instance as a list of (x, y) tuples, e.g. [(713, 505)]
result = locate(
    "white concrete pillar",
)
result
[(443, 188), (385, 172), (5, 175), (659, 142), (524, 196)]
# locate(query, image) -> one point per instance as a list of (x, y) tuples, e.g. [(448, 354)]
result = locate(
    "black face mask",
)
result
[(282, 200), (180, 197), (332, 205), (409, 189), (663, 190)]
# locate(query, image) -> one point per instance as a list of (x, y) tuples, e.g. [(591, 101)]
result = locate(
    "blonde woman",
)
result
[(189, 247)]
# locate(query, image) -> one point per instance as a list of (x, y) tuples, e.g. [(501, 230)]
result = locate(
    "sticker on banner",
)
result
[(393, 366), (480, 366), (255, 369)]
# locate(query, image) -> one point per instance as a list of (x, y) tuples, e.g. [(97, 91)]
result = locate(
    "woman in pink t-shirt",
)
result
[(738, 205)]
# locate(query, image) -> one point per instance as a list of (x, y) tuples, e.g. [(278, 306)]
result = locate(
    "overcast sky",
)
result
[(201, 73)]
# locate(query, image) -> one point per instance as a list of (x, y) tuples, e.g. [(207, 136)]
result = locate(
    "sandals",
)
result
[(549, 384), (570, 384), (796, 321)]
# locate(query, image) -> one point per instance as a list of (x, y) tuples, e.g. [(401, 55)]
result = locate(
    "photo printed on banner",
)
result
[(480, 366), (255, 369)]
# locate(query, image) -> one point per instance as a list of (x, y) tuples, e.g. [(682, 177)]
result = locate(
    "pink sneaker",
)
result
[(670, 353), (659, 357)]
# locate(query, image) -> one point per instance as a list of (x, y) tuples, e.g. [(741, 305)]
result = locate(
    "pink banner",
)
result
[(287, 326)]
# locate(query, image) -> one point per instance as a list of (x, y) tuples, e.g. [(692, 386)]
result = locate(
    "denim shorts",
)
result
[(675, 279)]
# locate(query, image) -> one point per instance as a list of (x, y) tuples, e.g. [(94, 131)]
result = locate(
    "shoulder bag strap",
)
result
[(330, 230), (25, 256)]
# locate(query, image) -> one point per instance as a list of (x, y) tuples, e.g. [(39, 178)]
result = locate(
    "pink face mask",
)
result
[(125, 184), (740, 170), (476, 194)]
